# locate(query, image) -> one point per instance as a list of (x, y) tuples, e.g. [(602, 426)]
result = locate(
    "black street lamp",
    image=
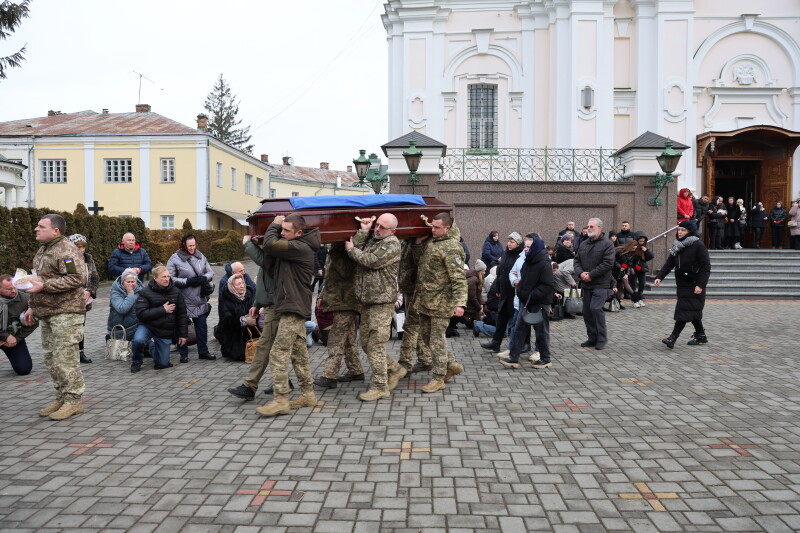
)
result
[(412, 157), (668, 161)]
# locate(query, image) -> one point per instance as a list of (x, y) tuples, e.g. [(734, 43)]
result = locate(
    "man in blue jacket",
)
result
[(130, 254)]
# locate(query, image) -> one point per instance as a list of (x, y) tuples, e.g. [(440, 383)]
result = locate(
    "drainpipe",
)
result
[(31, 176)]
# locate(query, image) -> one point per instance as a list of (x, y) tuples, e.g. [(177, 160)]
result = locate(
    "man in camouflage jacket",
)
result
[(441, 292), (338, 297), (57, 300), (407, 281), (375, 285)]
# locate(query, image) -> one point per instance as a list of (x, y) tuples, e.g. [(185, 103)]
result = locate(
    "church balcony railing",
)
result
[(532, 164)]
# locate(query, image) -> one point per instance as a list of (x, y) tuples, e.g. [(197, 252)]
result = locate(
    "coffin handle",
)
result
[(369, 220), (425, 220)]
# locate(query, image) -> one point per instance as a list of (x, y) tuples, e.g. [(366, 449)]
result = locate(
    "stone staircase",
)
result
[(746, 274)]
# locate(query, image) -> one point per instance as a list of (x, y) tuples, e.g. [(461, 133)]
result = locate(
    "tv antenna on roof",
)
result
[(139, 99)]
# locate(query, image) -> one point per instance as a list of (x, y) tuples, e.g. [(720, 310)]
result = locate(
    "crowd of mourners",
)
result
[(515, 284)]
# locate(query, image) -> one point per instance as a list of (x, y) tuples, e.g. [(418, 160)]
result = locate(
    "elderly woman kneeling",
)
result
[(235, 318)]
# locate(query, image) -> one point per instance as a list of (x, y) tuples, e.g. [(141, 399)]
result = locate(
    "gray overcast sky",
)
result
[(310, 75)]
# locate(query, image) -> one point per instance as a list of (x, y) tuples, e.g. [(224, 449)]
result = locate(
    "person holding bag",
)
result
[(192, 275), (235, 318), (689, 257), (122, 313), (536, 290)]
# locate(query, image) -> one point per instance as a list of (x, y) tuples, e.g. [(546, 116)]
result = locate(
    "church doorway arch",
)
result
[(752, 163)]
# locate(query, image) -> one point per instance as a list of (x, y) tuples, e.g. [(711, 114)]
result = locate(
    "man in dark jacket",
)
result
[(13, 304), (626, 233), (593, 263), (292, 247), (130, 254), (535, 291)]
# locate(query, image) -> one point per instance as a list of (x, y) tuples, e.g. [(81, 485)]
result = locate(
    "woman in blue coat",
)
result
[(492, 249)]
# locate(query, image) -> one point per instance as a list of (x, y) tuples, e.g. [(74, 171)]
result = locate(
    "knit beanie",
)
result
[(480, 266), (517, 237), (690, 224)]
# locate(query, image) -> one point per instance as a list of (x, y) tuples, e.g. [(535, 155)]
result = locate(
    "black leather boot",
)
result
[(698, 338), (669, 341), (85, 360)]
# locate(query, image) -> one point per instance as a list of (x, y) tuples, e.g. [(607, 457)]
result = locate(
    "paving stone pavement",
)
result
[(633, 438)]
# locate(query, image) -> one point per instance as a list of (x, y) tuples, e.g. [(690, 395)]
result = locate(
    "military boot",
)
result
[(433, 385), (395, 378), (67, 410), (373, 395), (307, 399), (698, 338), (278, 406), (453, 369), (52, 408)]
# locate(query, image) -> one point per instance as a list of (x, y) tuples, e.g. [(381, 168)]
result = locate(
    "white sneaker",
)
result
[(503, 354), (636, 304), (641, 303), (534, 357)]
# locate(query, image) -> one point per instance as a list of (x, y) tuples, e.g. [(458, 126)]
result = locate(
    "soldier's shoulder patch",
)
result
[(69, 264), (457, 261)]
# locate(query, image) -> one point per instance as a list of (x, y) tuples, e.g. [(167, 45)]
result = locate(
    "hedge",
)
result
[(18, 242)]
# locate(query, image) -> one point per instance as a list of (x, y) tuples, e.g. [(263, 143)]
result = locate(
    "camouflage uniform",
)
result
[(375, 288), (406, 280), (290, 343), (441, 286), (338, 296), (60, 308), (265, 299)]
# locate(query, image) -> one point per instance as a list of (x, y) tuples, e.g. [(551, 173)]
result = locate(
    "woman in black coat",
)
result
[(732, 230), (234, 318), (161, 312), (777, 219), (689, 257), (758, 221), (505, 291), (716, 223)]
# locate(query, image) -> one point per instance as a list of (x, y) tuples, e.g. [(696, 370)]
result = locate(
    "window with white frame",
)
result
[(294, 193), (273, 193), (219, 174), (53, 171), (119, 171), (482, 116), (259, 187), (248, 184), (167, 221), (233, 179), (167, 170)]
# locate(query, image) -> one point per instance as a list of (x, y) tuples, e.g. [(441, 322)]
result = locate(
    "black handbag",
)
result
[(533, 316), (558, 310), (207, 288)]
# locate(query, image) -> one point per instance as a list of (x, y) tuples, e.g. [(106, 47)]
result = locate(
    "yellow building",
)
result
[(143, 165)]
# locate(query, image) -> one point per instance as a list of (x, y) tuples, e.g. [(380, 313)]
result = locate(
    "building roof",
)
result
[(93, 123), (649, 141), (311, 174), (423, 141)]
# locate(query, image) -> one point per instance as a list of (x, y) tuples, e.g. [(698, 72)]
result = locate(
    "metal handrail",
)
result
[(662, 234)]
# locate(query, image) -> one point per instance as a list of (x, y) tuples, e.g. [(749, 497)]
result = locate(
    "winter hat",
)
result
[(480, 266), (76, 238), (690, 224), (537, 246), (517, 237)]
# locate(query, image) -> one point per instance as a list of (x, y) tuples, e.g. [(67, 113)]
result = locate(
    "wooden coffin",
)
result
[(339, 223)]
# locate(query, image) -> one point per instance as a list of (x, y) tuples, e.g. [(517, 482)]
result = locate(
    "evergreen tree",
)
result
[(11, 15), (222, 108)]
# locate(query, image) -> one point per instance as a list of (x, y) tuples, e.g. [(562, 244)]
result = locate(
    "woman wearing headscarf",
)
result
[(190, 271), (689, 257), (92, 283), (235, 319), (777, 219), (122, 312)]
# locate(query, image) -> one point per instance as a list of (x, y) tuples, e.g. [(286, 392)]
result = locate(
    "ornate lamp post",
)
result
[(668, 161), (412, 157), (362, 165)]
